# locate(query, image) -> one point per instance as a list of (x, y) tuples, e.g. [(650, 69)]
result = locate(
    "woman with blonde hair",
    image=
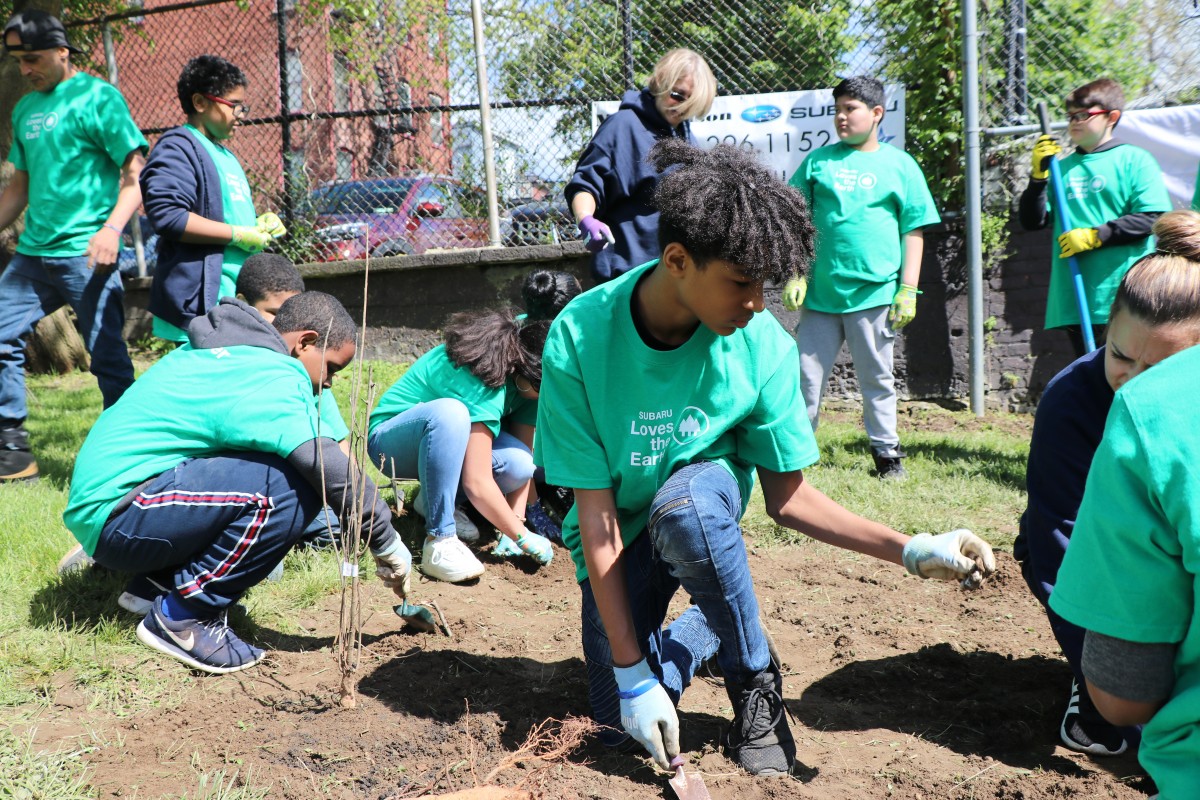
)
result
[(611, 193), (1156, 314)]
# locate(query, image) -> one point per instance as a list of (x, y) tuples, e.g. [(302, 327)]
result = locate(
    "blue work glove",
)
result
[(596, 234), (958, 555), (531, 544), (506, 548), (647, 713)]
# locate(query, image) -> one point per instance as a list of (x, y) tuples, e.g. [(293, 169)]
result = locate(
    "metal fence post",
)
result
[(285, 111), (110, 58), (485, 125), (974, 204)]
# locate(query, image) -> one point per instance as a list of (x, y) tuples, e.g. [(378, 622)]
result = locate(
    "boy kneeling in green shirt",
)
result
[(213, 466), (662, 392)]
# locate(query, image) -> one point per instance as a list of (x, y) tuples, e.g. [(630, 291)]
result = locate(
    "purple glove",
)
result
[(598, 235)]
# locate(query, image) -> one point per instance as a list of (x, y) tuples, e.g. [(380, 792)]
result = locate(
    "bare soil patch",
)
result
[(899, 688)]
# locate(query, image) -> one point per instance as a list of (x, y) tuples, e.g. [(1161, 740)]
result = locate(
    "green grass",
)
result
[(68, 634)]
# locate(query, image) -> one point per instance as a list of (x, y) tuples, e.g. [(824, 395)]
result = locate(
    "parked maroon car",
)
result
[(396, 216)]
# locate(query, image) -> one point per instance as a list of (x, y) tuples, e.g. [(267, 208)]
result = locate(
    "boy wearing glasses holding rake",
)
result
[(198, 200), (1114, 193)]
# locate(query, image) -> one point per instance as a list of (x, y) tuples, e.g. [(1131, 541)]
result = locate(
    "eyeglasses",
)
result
[(239, 109), (1084, 116), (678, 97)]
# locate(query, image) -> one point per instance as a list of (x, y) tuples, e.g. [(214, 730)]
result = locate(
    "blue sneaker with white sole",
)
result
[(205, 644)]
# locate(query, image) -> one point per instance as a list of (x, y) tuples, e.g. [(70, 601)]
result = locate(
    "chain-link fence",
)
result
[(1032, 53), (366, 132)]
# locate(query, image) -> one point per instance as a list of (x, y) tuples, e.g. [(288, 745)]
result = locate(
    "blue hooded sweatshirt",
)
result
[(180, 177), (613, 169)]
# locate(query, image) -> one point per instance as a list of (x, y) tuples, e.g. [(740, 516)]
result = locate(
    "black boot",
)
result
[(16, 461), (759, 739), (887, 463)]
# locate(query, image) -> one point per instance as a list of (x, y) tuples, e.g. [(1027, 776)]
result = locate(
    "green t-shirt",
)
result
[(1101, 187), (333, 425), (1133, 566), (617, 414), (1196, 194), (239, 210), (434, 376), (862, 203), (191, 404), (72, 141)]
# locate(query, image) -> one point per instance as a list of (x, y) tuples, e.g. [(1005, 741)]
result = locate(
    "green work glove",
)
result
[(1078, 240), (904, 306), (272, 224), (1044, 149), (252, 240), (793, 293)]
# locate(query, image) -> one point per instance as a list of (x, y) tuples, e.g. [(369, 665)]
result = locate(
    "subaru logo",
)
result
[(761, 114)]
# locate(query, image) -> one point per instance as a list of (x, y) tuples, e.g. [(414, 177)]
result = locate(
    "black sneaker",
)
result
[(1087, 732), (540, 523), (888, 464), (16, 460), (759, 738)]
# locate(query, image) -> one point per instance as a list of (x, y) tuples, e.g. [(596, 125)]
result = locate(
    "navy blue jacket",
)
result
[(180, 177), (613, 169), (1067, 430)]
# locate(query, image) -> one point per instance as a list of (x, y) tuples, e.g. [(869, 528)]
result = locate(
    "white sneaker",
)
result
[(463, 527), (76, 559), (448, 559)]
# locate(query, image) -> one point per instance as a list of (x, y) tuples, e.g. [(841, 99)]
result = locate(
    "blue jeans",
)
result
[(32, 287), (211, 528), (429, 441), (692, 541)]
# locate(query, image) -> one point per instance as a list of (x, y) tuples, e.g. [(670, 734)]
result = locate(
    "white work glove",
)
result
[(957, 555), (393, 566), (537, 546), (647, 713)]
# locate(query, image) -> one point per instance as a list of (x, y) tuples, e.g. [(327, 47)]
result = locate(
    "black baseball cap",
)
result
[(37, 30)]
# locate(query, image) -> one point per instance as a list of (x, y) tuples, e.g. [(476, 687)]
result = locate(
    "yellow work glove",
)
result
[(793, 293), (904, 306), (1044, 149), (1078, 240), (252, 240), (272, 224)]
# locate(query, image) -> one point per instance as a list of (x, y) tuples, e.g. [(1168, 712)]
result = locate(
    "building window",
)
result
[(404, 121), (341, 83), (437, 120), (343, 167), (295, 81)]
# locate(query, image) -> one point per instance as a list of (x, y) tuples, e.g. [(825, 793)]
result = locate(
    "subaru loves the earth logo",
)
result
[(761, 114)]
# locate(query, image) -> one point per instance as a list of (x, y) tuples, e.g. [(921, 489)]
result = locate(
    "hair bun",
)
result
[(1178, 234)]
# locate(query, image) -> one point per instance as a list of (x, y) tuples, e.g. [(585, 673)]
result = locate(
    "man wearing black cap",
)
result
[(77, 156)]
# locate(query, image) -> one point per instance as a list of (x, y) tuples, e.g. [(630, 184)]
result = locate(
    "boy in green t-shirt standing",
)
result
[(198, 200), (662, 393), (869, 202), (1114, 193), (76, 155)]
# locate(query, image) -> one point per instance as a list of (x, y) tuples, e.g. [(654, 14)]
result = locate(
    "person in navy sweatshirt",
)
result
[(611, 193), (1154, 315)]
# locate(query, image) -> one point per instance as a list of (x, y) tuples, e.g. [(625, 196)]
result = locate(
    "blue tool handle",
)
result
[(1064, 222)]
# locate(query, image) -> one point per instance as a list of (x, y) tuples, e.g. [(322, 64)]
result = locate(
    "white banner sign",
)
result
[(1172, 135), (783, 127)]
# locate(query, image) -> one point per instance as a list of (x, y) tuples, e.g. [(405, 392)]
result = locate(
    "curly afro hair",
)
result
[(724, 204)]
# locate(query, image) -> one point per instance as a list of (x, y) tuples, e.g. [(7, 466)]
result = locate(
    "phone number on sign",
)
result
[(786, 142)]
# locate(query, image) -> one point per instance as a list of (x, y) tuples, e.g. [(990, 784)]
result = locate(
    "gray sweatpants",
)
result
[(871, 340)]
